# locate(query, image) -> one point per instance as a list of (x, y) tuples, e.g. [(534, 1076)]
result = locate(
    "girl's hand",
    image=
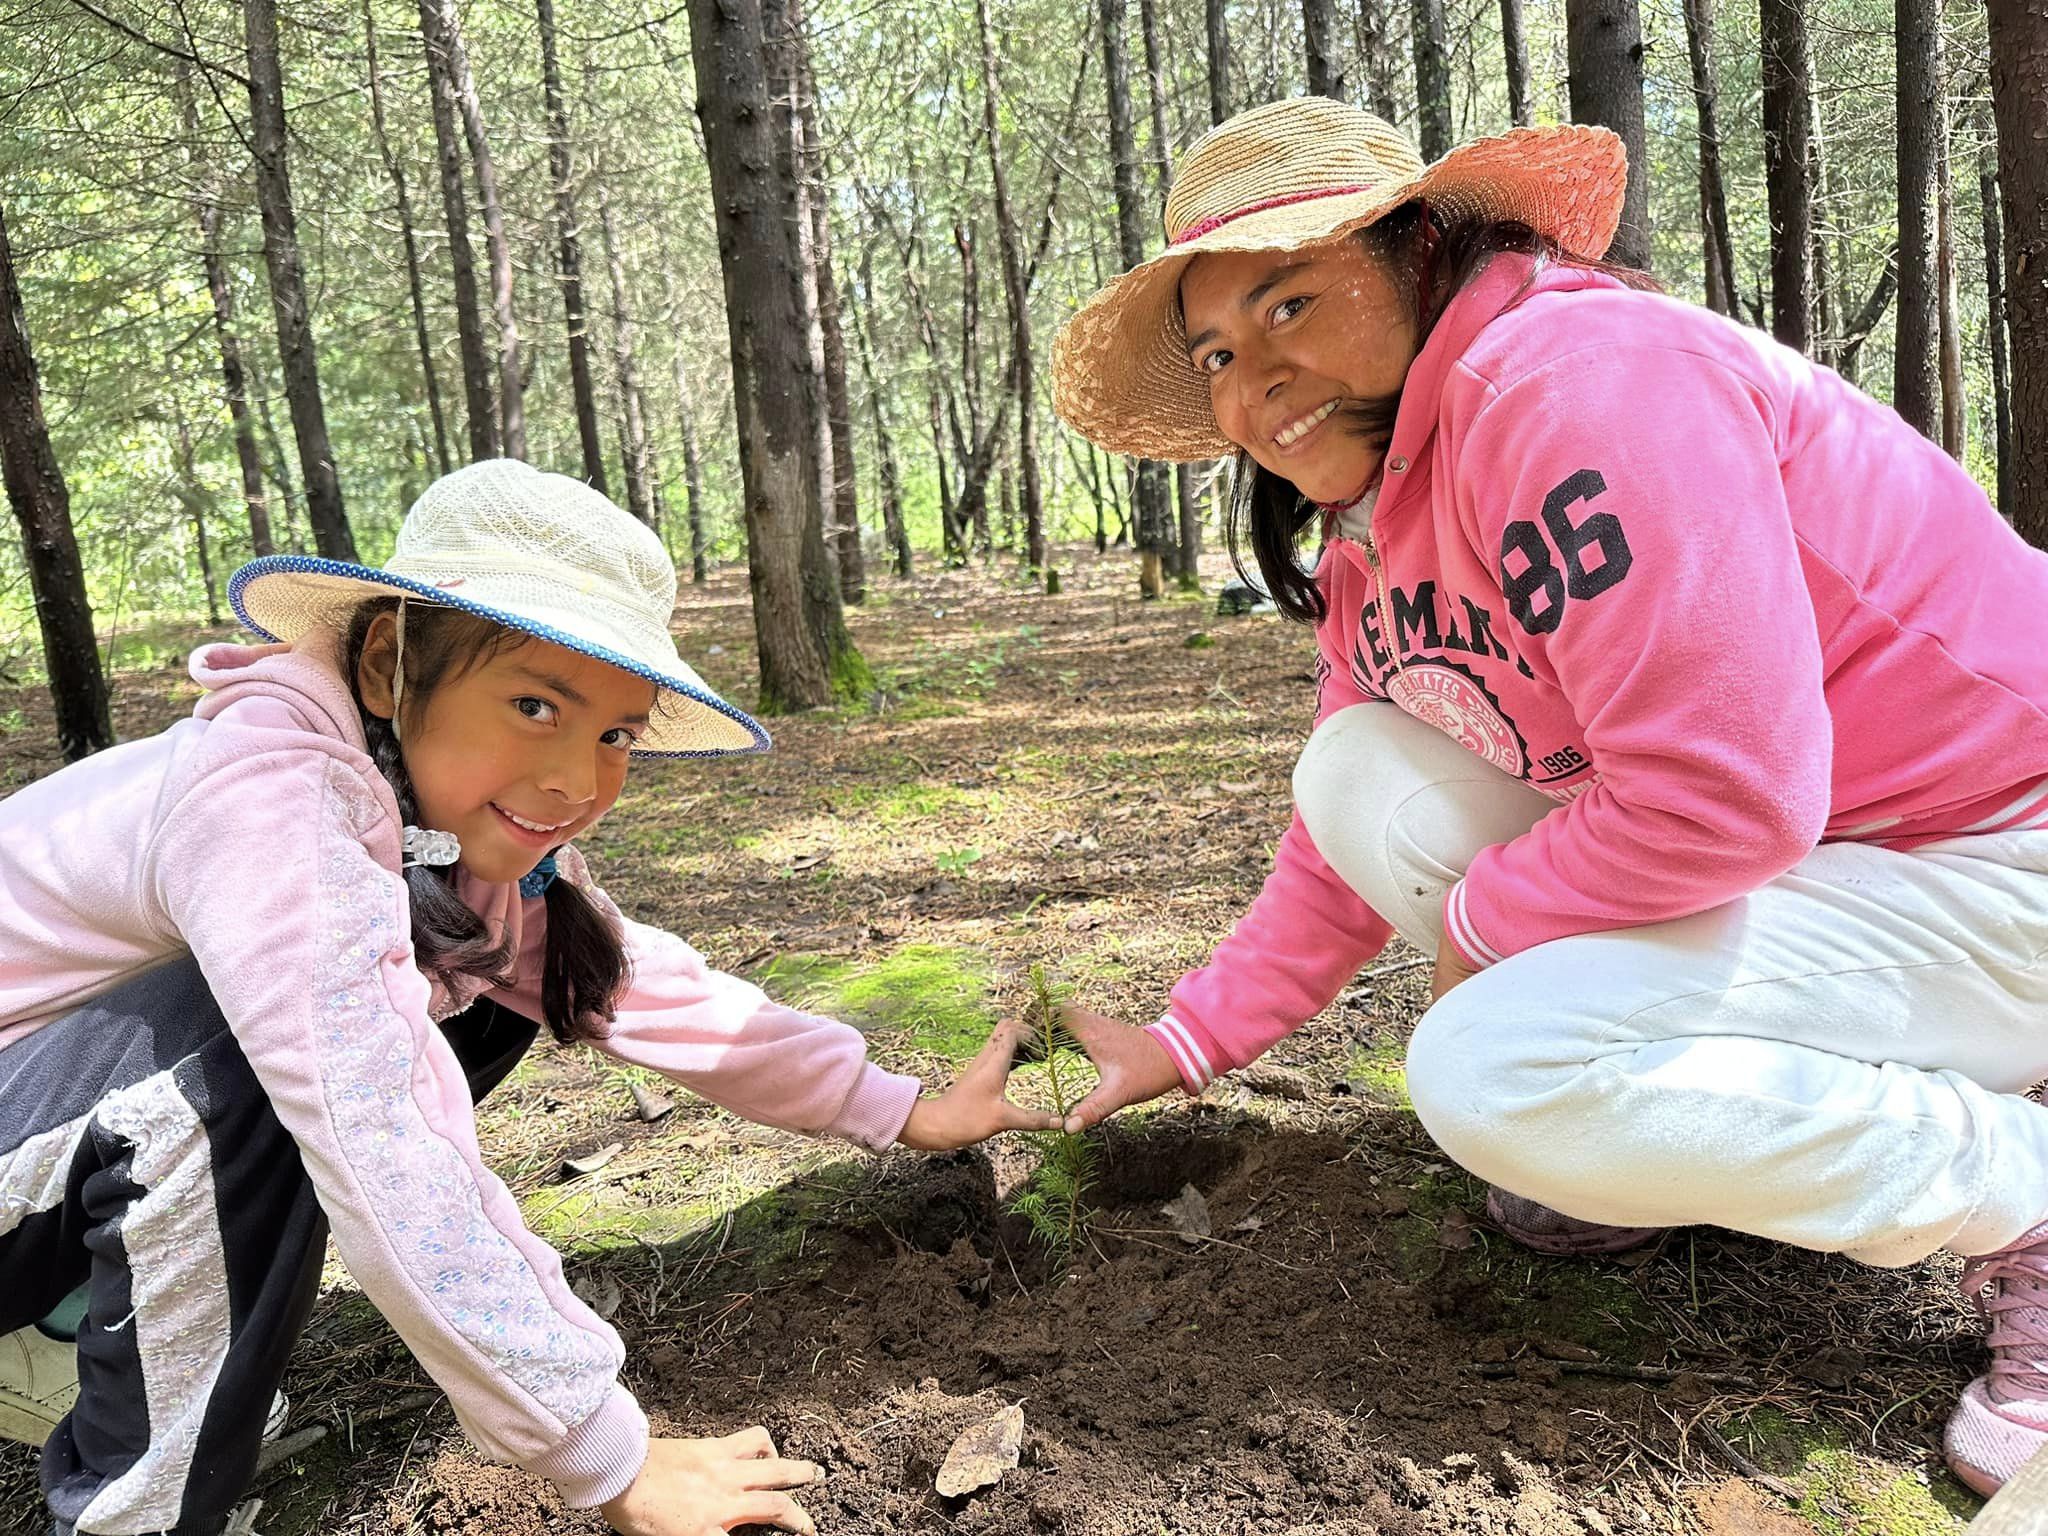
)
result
[(1134, 1067), (974, 1108), (708, 1487), (1450, 969)]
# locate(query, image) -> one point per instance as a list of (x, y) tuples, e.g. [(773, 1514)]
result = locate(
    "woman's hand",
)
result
[(1134, 1067), (708, 1487), (974, 1108), (1450, 969)]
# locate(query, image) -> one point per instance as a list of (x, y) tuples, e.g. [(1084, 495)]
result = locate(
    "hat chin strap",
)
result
[(398, 672)]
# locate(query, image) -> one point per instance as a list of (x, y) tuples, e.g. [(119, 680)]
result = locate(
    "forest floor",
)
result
[(1095, 784)]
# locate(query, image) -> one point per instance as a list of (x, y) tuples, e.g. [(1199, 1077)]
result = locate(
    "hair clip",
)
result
[(535, 882), (425, 845)]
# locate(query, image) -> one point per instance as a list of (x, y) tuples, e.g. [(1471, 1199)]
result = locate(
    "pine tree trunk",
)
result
[(1826, 309), (893, 528), (1325, 52), (1377, 54), (1719, 244), (233, 389), (1175, 561), (1953, 404), (1605, 51), (569, 253), (1190, 542), (469, 329), (693, 469), (1023, 371), (807, 659), (1788, 112), (288, 285), (280, 470), (1515, 48), (511, 385), (1916, 378), (1130, 219), (407, 226), (194, 496), (2019, 94), (1432, 48), (1995, 317), (1218, 30), (844, 535), (633, 445), (42, 507)]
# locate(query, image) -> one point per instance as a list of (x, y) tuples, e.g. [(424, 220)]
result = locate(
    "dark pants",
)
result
[(139, 1157)]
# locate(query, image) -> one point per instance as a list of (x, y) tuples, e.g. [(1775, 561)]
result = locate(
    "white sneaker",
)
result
[(38, 1384)]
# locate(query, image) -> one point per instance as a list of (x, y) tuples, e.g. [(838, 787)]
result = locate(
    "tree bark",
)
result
[(195, 498), (1994, 292), (288, 284), (2019, 94), (633, 444), (843, 537), (1376, 55), (1515, 48), (1325, 52), (1023, 373), (1219, 60), (511, 383), (750, 147), (1604, 48), (1953, 431), (1857, 331), (42, 507), (1719, 244), (1788, 112), (1176, 561), (1432, 48), (1151, 491), (218, 286), (469, 330), (1916, 379), (569, 253), (892, 495), (407, 225), (693, 469)]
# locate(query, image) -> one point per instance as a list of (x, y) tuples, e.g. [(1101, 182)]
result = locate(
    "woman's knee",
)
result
[(1488, 1081)]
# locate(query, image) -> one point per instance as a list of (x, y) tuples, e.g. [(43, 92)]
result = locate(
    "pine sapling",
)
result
[(1055, 1198)]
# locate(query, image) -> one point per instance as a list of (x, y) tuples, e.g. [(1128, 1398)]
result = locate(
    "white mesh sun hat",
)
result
[(539, 553)]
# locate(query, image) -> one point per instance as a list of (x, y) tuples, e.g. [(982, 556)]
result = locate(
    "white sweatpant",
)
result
[(1835, 1060)]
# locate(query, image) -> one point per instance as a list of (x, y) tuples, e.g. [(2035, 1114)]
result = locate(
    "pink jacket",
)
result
[(258, 837), (1715, 602)]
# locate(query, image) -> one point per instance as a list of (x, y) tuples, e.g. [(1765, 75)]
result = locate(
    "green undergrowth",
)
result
[(923, 997), (1844, 1491), (1379, 1074)]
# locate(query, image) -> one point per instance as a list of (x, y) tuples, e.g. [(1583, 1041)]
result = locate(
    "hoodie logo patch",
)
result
[(1448, 697)]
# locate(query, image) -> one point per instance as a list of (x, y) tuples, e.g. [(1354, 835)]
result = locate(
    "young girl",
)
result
[(254, 971), (1687, 705)]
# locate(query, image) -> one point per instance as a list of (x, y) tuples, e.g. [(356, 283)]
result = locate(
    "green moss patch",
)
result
[(923, 997)]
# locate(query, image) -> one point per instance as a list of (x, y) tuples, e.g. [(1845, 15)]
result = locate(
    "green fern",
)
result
[(1054, 1199)]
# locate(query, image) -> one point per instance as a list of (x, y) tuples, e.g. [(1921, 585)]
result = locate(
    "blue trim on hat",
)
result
[(282, 565)]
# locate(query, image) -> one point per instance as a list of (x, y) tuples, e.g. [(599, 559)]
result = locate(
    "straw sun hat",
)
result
[(1286, 175), (539, 553)]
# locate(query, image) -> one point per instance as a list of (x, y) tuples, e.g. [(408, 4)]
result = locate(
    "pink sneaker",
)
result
[(1547, 1231), (2003, 1417)]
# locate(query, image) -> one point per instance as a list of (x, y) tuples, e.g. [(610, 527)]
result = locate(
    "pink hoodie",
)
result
[(1715, 602), (258, 837)]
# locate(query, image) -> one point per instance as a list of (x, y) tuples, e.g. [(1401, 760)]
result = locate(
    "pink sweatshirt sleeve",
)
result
[(1631, 503), (278, 869), (1303, 937), (721, 1037)]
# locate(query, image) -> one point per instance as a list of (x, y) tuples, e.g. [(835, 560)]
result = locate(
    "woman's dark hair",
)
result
[(585, 966), (1265, 508)]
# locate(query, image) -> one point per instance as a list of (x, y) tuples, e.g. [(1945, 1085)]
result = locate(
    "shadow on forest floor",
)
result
[(1069, 781)]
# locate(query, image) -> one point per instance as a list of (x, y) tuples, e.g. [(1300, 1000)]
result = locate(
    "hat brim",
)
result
[(287, 597), (1121, 375)]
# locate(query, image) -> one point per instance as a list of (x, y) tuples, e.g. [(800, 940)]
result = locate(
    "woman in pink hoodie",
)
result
[(255, 971), (1684, 704)]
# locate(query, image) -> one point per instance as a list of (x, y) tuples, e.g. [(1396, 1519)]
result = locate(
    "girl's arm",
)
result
[(277, 867), (1629, 501)]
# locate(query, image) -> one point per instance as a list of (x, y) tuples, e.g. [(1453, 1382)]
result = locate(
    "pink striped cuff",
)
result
[(1464, 937), (1189, 1055)]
